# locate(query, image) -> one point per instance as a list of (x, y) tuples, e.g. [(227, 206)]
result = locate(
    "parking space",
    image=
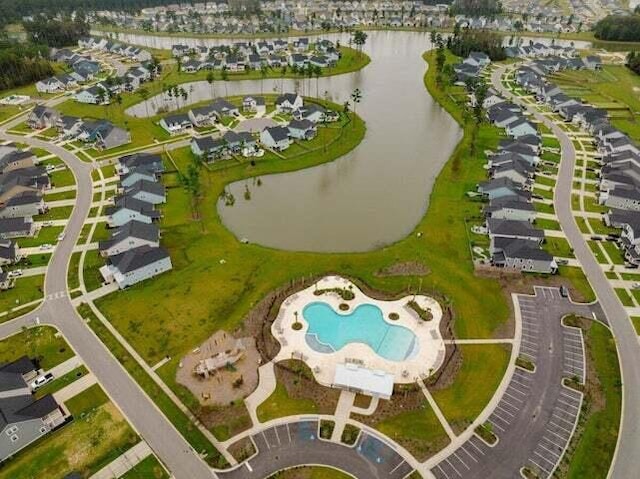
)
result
[(297, 443), (535, 417)]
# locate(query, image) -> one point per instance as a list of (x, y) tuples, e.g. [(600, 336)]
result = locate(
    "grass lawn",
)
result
[(419, 431), (600, 228), (543, 207), (251, 271), (545, 181), (59, 213), (600, 418), (545, 194), (591, 204), (312, 472), (27, 289), (62, 195), (92, 263), (579, 281), (625, 298), (148, 468), (547, 224), (47, 234), (41, 343), (179, 419), (87, 401), (85, 445), (582, 224), (482, 369), (62, 178), (73, 281), (635, 320), (279, 404), (597, 251), (613, 251), (558, 247)]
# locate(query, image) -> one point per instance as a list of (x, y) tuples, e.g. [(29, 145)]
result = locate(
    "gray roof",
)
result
[(146, 186), (522, 249), (499, 227), (278, 133), (137, 258), (132, 229)]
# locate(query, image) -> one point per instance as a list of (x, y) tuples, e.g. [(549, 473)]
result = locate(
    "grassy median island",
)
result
[(310, 472), (592, 447)]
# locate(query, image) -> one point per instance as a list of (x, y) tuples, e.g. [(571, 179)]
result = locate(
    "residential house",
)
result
[(148, 191), (521, 127), (522, 255), (17, 160), (129, 236), (499, 228), (24, 419), (26, 203), (136, 265), (275, 138), (9, 252), (502, 187), (208, 147), (255, 104), (203, 116), (147, 161), (176, 124), (42, 117), (302, 129), (289, 102), (16, 227), (128, 209), (510, 208), (95, 95)]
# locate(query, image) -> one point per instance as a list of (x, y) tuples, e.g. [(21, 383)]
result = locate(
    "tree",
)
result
[(225, 76), (480, 92), (359, 39), (191, 182), (263, 75), (210, 80), (143, 93), (356, 97)]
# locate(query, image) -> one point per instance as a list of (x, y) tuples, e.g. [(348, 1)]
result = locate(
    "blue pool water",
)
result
[(330, 331)]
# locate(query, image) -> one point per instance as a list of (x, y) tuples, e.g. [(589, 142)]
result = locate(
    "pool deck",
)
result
[(428, 359)]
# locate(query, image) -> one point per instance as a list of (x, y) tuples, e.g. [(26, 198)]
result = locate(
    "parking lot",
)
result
[(535, 417), (297, 443)]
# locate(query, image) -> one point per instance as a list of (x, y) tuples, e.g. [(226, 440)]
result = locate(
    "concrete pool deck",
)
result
[(431, 347)]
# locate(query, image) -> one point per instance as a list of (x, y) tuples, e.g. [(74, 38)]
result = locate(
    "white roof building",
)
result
[(363, 380)]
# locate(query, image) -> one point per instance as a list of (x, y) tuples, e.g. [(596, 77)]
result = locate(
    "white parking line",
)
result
[(455, 470), (539, 466), (555, 444), (442, 471), (460, 459), (399, 464), (554, 454), (505, 411), (265, 440), (545, 459), (567, 404), (275, 430), (468, 453), (563, 439), (288, 431), (476, 447)]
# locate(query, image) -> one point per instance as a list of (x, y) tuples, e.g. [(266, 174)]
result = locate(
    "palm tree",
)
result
[(210, 80), (318, 72), (356, 97), (359, 38), (263, 75), (225, 77)]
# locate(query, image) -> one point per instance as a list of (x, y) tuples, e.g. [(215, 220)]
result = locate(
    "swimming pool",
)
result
[(330, 331)]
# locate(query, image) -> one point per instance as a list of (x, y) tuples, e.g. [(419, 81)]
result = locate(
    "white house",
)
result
[(289, 102), (136, 265), (276, 138)]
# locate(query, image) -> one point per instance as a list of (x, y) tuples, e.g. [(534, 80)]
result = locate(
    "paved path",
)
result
[(75, 388), (119, 466), (627, 461), (266, 386), (297, 443), (535, 417), (65, 367)]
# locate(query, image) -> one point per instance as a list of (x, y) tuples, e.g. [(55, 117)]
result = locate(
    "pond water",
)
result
[(369, 198)]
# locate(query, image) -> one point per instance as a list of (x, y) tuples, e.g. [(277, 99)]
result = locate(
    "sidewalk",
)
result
[(65, 367), (121, 465), (75, 388)]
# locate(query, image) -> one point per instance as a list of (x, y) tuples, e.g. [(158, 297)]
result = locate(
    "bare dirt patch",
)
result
[(227, 384), (408, 268)]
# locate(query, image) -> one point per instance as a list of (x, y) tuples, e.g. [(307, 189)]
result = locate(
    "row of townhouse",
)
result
[(471, 67), (22, 186), (101, 134), (619, 175), (82, 69), (102, 92), (109, 46), (515, 242), (133, 252)]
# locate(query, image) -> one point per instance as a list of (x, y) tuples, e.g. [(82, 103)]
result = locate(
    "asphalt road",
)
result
[(535, 417), (57, 310), (627, 461), (297, 443)]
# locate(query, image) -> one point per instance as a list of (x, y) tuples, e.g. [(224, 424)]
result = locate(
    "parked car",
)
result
[(46, 246), (61, 236), (41, 381), (15, 273), (564, 291)]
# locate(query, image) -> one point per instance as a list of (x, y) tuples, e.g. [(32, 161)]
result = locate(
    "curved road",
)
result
[(58, 311), (626, 462)]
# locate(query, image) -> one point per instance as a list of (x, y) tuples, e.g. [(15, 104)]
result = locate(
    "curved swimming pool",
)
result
[(330, 331)]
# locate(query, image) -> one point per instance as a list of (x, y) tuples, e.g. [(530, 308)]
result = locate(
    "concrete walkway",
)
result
[(266, 386), (65, 367), (96, 293), (121, 465), (443, 421), (343, 410), (75, 388)]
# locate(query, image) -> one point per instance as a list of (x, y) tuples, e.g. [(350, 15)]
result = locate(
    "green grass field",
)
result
[(41, 343), (148, 468), (27, 289)]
